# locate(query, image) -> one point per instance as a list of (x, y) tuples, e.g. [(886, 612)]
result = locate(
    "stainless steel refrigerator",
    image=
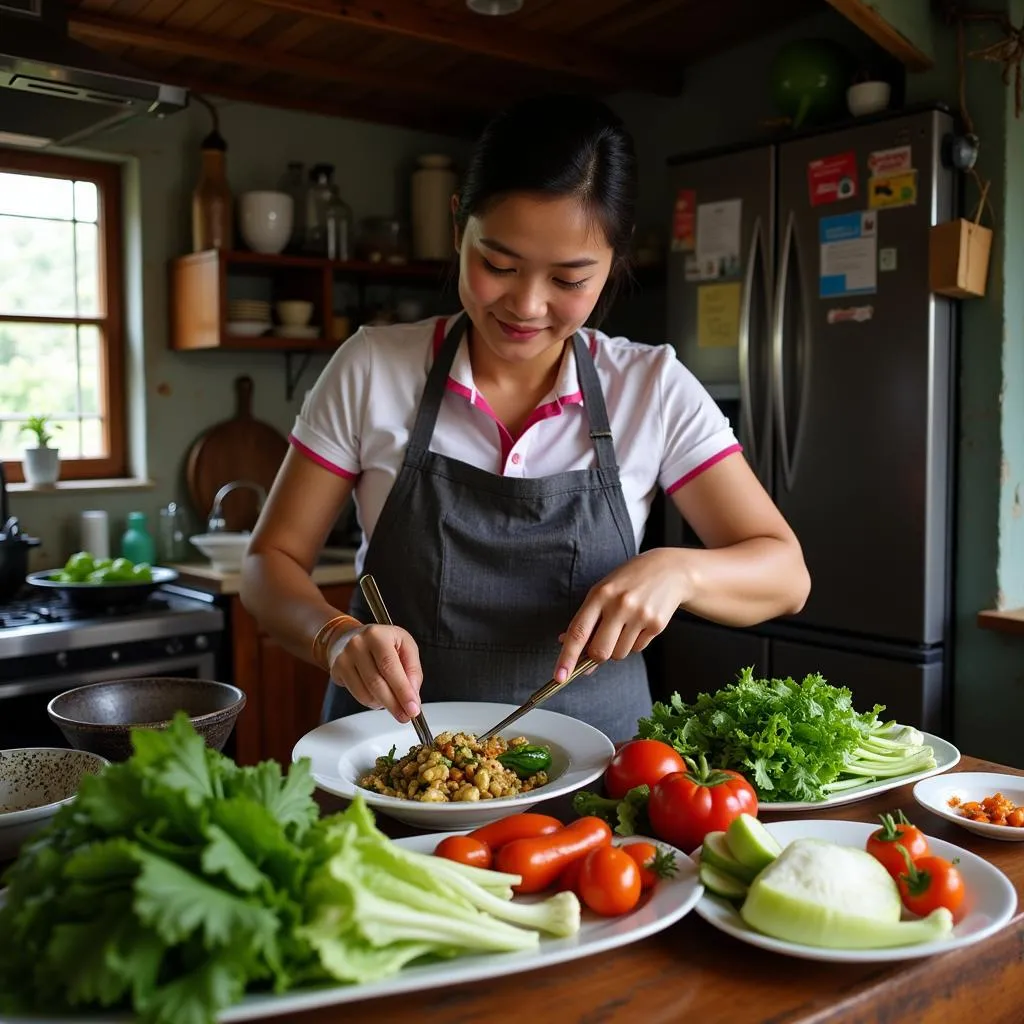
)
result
[(798, 293)]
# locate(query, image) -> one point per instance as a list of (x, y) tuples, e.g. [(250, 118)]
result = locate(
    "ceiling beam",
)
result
[(875, 25), (497, 38), (90, 27)]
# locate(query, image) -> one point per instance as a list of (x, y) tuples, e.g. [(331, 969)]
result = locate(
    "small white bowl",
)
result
[(224, 550), (343, 751), (934, 795), (265, 220), (35, 782), (868, 98), (294, 312)]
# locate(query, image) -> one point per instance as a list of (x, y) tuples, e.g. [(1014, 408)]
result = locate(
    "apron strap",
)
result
[(437, 380), (593, 405)]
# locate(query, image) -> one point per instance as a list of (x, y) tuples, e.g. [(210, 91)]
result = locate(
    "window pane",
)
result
[(32, 195), (90, 377), (37, 274), (93, 443), (86, 253), (86, 201)]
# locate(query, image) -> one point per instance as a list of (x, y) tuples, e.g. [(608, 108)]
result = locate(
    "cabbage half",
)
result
[(819, 894)]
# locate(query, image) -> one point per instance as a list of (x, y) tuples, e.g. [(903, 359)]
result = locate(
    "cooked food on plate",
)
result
[(459, 767), (992, 810)]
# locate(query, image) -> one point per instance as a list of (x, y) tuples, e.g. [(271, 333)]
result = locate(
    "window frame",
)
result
[(110, 321)]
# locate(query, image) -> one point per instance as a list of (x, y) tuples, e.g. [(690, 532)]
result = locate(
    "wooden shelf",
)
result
[(1010, 621)]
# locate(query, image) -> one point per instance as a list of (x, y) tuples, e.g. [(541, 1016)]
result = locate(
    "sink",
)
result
[(224, 550)]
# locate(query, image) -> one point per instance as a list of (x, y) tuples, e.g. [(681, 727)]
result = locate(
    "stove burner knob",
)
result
[(202, 643), (173, 647), (115, 656), (62, 659)]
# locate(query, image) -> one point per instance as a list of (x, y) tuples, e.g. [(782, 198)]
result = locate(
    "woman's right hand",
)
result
[(380, 667)]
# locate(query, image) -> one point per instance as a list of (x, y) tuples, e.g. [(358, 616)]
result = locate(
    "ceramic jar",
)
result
[(433, 184)]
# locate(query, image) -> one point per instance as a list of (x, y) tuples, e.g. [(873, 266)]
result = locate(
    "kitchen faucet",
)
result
[(216, 523)]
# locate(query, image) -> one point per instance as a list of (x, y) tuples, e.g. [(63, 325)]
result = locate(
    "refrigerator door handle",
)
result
[(752, 441), (789, 394)]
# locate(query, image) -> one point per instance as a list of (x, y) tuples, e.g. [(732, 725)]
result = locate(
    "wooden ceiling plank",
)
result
[(89, 28), (630, 16), (485, 37)]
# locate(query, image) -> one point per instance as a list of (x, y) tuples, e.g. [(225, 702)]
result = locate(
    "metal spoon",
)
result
[(369, 588)]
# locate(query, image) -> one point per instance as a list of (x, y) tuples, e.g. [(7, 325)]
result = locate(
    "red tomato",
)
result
[(609, 881), (464, 850), (569, 879), (540, 860), (653, 863), (685, 806), (929, 883), (883, 844), (640, 763)]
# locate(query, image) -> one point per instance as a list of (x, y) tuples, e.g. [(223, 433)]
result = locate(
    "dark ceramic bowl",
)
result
[(100, 717)]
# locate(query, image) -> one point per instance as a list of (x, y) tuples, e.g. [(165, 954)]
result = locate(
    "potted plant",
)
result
[(42, 463)]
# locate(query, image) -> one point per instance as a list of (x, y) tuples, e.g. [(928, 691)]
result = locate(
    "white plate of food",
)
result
[(344, 751), (671, 899), (946, 757), (946, 797), (989, 903)]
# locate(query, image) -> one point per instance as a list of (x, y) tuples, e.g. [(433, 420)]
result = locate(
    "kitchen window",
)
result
[(61, 331)]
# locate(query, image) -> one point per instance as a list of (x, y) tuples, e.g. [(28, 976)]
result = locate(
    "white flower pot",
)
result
[(41, 466)]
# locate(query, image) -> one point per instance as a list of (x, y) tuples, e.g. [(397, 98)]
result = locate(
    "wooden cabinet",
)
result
[(283, 693)]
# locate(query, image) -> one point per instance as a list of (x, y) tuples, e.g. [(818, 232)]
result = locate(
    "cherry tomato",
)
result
[(883, 844), (685, 806), (609, 881), (464, 850), (516, 826), (930, 883), (539, 861), (640, 763), (654, 864)]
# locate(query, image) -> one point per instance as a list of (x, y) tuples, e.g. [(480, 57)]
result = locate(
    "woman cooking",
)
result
[(504, 461)]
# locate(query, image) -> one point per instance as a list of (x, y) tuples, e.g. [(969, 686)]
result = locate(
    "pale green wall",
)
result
[(178, 395), (912, 19)]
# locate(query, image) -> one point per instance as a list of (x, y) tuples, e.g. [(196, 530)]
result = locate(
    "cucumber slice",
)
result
[(751, 843), (720, 884), (716, 852)]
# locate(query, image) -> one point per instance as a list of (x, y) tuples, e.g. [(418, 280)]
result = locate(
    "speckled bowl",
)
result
[(100, 717), (34, 783)]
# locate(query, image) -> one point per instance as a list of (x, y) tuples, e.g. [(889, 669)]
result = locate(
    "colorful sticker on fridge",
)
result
[(890, 161), (718, 238), (691, 268), (850, 314), (886, 259), (893, 190), (849, 255), (832, 178), (684, 221), (718, 315)]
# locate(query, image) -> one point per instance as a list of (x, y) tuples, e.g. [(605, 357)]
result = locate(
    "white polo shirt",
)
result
[(356, 420)]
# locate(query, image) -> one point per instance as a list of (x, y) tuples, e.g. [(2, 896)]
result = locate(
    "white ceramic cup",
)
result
[(265, 220), (868, 98)]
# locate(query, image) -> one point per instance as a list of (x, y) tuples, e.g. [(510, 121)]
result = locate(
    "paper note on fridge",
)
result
[(849, 254), (718, 315), (718, 238)]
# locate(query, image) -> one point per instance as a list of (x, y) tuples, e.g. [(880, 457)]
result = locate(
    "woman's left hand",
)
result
[(626, 610)]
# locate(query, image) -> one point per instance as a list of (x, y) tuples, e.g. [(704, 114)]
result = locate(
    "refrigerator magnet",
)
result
[(892, 190), (886, 259), (718, 238), (832, 179), (850, 314), (849, 254), (883, 162), (718, 315), (684, 221)]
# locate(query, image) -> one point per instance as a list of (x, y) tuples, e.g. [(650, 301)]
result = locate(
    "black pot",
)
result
[(14, 548)]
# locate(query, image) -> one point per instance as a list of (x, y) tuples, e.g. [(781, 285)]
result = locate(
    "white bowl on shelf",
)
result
[(248, 328), (265, 220), (294, 312), (868, 98), (224, 550)]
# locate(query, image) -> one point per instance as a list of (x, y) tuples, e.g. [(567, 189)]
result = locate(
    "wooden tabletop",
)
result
[(691, 971)]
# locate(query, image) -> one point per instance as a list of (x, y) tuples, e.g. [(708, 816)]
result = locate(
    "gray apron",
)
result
[(486, 571)]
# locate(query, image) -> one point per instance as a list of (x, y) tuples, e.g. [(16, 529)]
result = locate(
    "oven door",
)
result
[(23, 718)]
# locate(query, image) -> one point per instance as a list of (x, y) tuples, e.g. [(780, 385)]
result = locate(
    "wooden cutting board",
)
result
[(241, 448)]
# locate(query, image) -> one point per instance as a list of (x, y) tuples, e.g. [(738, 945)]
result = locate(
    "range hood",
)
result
[(57, 91)]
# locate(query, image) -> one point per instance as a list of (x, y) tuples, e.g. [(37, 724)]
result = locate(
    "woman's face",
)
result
[(531, 270)]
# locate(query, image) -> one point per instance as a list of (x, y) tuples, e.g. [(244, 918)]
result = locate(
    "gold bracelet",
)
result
[(323, 637)]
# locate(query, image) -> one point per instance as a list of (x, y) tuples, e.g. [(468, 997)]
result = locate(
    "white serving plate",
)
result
[(248, 328), (669, 901), (989, 904), (933, 794), (946, 756), (343, 751)]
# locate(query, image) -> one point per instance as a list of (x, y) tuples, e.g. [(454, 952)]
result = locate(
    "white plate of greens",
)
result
[(802, 745), (989, 904)]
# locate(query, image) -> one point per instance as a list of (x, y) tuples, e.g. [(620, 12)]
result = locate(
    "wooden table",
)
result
[(692, 972)]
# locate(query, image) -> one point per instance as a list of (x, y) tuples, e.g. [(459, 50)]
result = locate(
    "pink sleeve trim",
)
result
[(320, 460), (706, 464)]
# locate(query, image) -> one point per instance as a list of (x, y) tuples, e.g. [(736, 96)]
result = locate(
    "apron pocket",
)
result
[(505, 589)]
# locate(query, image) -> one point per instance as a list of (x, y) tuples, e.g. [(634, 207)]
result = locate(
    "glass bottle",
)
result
[(171, 547), (339, 227), (211, 198), (319, 195), (137, 542), (293, 183)]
